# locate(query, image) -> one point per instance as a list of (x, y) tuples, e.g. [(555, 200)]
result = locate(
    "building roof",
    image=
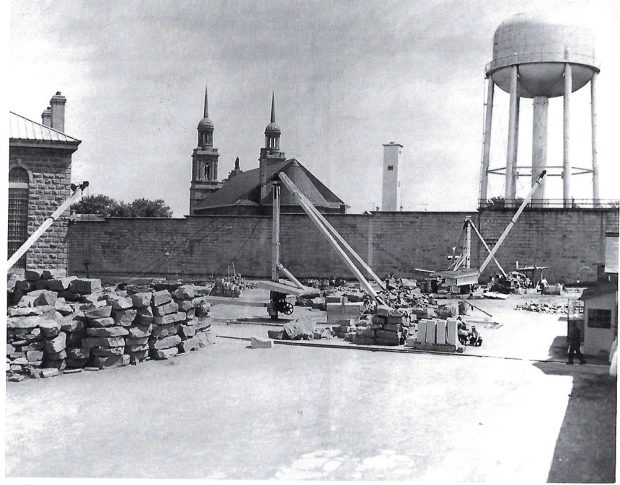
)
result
[(599, 290), (21, 128), (244, 188)]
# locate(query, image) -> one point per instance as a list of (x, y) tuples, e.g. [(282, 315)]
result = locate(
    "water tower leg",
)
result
[(486, 143), (595, 193), (566, 174), (511, 157), (539, 145)]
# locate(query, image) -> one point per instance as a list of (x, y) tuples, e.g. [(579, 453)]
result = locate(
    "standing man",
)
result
[(574, 345)]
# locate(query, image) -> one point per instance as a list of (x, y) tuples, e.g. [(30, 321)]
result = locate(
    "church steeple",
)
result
[(272, 131), (204, 160)]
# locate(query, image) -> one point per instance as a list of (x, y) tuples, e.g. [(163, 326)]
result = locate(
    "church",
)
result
[(250, 192)]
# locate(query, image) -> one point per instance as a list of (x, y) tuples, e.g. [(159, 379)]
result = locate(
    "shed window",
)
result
[(390, 168), (599, 318), (18, 212)]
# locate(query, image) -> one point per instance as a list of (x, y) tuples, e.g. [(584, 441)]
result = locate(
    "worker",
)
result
[(462, 332), (574, 344)]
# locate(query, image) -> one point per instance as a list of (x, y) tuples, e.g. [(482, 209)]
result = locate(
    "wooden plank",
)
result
[(283, 288)]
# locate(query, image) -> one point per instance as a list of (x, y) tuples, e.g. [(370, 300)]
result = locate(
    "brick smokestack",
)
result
[(46, 117), (57, 104)]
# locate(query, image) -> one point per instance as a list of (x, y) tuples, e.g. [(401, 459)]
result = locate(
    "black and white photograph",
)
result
[(326, 240)]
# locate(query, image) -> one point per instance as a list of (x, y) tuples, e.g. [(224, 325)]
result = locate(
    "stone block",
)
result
[(431, 327), (106, 351), (143, 320), (48, 274), (451, 331), (180, 316), (136, 348), (391, 328), (63, 308), (108, 362), (107, 332), (276, 334), (261, 343), (199, 301), (23, 285), (139, 331), (191, 313), (184, 292), (189, 345), (187, 331), (60, 284), (56, 344), (47, 298), (166, 319), (385, 335), (379, 320), (71, 323), (34, 355), (163, 354), (85, 285), (49, 328), (119, 302), (440, 332), (44, 373), (56, 355), (138, 356), (36, 345), (383, 310), (165, 342), (103, 342), (205, 339), (146, 311), (78, 353), (141, 300), (165, 309), (184, 305), (386, 342), (39, 285), (162, 331), (100, 312), (102, 322), (159, 298), (32, 275), (298, 330), (125, 317), (136, 341), (96, 298), (421, 336), (74, 338)]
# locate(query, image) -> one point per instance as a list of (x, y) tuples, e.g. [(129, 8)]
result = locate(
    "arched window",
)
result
[(19, 182)]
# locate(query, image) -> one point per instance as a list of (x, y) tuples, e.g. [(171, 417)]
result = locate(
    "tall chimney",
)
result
[(46, 117), (58, 111)]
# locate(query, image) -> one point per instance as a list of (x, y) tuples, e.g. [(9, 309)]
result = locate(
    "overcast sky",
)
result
[(348, 77)]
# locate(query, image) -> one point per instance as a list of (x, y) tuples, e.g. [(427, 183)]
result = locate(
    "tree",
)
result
[(108, 207)]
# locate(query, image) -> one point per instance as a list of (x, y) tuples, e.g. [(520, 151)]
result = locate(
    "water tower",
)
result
[(539, 57)]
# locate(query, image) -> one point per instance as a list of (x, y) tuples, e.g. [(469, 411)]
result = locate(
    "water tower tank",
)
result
[(541, 45)]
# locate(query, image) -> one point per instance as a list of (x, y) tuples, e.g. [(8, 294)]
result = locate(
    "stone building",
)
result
[(39, 181), (249, 193)]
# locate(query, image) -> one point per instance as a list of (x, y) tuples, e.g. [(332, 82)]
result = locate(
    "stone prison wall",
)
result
[(564, 240)]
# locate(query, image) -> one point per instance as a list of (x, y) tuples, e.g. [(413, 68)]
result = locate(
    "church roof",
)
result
[(21, 128), (244, 188)]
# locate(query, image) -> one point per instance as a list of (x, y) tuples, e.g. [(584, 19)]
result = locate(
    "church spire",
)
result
[(272, 132), (206, 110), (273, 107)]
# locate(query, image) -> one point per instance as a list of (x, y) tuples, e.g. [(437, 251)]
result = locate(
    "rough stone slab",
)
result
[(391, 327), (184, 305), (261, 343), (85, 285), (164, 354), (20, 361), (78, 353), (166, 319), (180, 316), (191, 313), (49, 328), (125, 317), (99, 312), (44, 373), (74, 338), (137, 357), (200, 300), (189, 345), (275, 334), (32, 274), (137, 341), (146, 311), (143, 320), (119, 302), (63, 308), (71, 323), (10, 349), (103, 342), (141, 300), (56, 344), (204, 339), (165, 342), (187, 331), (297, 330), (129, 349), (60, 284), (139, 331), (201, 323), (385, 335), (160, 298), (431, 327), (15, 377), (108, 362), (11, 281), (383, 310), (47, 298), (34, 355), (165, 309), (184, 292), (56, 355), (24, 323), (162, 331), (23, 285), (48, 274), (102, 322), (107, 351), (36, 345), (107, 332)]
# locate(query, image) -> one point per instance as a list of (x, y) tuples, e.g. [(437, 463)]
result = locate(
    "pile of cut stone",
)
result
[(533, 306), (59, 324), (232, 286)]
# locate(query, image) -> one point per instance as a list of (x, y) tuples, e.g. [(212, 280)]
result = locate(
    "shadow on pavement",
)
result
[(585, 450)]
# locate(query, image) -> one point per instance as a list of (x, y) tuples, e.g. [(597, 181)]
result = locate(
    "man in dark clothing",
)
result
[(574, 344)]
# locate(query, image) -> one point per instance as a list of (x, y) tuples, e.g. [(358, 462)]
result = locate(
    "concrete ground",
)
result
[(315, 413)]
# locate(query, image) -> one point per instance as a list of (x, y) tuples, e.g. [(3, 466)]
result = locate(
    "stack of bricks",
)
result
[(80, 325)]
